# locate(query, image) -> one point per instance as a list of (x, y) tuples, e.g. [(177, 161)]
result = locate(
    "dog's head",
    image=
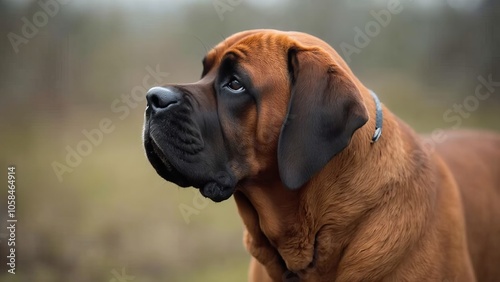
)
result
[(268, 104)]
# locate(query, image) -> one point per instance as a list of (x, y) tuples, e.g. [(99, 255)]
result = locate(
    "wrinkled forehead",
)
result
[(256, 52)]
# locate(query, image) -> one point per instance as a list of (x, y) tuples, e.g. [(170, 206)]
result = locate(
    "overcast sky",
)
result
[(174, 4)]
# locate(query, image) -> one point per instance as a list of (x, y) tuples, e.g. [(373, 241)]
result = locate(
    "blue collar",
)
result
[(379, 118)]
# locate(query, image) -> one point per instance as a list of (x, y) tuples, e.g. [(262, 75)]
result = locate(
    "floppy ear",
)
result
[(324, 111)]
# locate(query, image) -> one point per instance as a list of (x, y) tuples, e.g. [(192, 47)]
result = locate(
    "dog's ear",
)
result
[(324, 111)]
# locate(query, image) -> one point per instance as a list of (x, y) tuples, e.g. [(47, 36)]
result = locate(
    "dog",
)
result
[(330, 185)]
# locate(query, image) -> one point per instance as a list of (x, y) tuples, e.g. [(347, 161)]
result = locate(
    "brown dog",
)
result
[(279, 121)]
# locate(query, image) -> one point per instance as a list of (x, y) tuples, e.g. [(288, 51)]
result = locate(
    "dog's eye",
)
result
[(235, 86)]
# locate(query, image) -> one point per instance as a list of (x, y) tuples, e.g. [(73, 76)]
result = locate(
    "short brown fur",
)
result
[(394, 210)]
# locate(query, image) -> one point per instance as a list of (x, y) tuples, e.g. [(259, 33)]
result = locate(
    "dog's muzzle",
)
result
[(176, 148)]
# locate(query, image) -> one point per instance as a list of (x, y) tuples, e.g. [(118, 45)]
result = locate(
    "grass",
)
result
[(112, 211)]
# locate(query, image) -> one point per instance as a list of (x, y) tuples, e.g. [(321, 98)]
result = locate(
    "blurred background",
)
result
[(72, 86)]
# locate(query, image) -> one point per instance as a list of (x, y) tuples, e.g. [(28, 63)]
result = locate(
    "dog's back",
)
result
[(474, 160)]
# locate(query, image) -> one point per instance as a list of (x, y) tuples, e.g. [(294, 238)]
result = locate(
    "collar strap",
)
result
[(379, 118)]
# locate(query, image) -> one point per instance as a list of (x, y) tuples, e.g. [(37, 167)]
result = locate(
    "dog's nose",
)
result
[(162, 97)]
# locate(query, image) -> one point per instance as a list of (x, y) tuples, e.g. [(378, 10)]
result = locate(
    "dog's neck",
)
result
[(312, 227)]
